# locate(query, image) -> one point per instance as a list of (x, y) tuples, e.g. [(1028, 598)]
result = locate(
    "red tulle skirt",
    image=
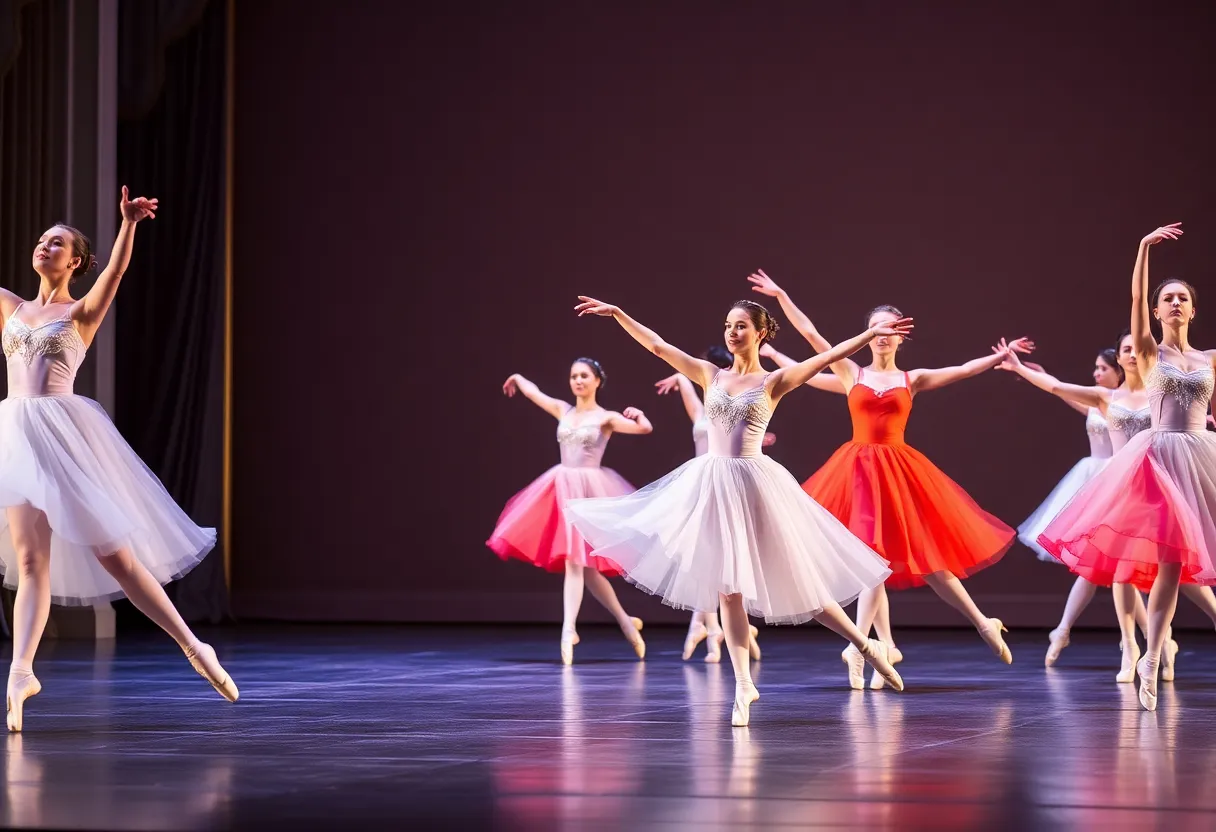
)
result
[(533, 526), (909, 512)]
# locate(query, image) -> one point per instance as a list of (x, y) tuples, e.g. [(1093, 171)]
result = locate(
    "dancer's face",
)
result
[(1104, 374), (1127, 356), (741, 333), (884, 344), (582, 380), (1175, 306), (53, 254)]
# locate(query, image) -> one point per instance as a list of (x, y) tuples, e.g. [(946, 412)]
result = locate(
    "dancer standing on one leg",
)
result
[(87, 520), (1147, 520), (705, 625), (731, 529), (890, 495), (534, 526), (1123, 412)]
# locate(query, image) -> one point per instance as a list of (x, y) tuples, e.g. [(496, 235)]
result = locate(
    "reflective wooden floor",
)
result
[(482, 728)]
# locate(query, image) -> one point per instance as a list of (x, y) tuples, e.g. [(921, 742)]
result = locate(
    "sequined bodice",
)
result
[(700, 436), (737, 423), (1123, 423), (880, 417), (1099, 436), (42, 360), (582, 446), (1179, 398)]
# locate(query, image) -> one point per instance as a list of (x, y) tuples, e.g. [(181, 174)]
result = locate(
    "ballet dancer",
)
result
[(70, 485), (534, 526)]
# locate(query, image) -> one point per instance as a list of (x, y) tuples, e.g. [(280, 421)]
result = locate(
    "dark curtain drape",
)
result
[(170, 312), (33, 137)]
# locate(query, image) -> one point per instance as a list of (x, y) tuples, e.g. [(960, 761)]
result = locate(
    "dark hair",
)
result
[(761, 319), (596, 369), (885, 307), (1119, 340), (82, 247), (720, 355), (1167, 282), (1111, 357)]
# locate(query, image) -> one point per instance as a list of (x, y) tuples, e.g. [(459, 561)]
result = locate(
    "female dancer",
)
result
[(893, 497), (732, 528), (534, 526), (1124, 411), (705, 624), (69, 483), (1146, 522)]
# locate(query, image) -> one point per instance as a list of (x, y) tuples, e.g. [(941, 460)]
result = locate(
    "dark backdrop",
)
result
[(421, 194)]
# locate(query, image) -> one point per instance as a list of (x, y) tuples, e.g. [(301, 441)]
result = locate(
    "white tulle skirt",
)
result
[(731, 525), (63, 456), (1034, 525)]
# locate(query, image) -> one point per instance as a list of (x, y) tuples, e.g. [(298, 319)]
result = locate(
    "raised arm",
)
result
[(702, 372), (827, 382), (629, 420), (688, 394), (1142, 335), (1084, 397), (518, 384), (90, 310), (922, 380), (787, 378), (765, 285)]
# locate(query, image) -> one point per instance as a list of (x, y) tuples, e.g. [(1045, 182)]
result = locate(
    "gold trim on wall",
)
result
[(229, 136)]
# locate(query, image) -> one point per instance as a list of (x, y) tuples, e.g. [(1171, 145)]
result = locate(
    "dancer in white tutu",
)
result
[(705, 626), (87, 520), (733, 529)]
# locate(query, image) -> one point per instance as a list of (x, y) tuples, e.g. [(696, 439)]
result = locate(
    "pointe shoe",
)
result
[(1168, 658), (745, 694), (567, 647), (878, 656), (1146, 669), (713, 646), (696, 634), (991, 634), (20, 688), (856, 663), (639, 646), (202, 659), (1059, 640), (896, 656), (1127, 671), (753, 646)]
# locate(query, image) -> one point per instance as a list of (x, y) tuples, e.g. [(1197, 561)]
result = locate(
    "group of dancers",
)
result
[(732, 531)]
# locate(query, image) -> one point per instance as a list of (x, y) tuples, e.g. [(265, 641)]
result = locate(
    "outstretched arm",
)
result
[(1080, 396), (827, 382), (90, 310), (922, 380), (765, 285), (518, 384), (787, 378), (629, 420), (1142, 335), (702, 372), (688, 394)]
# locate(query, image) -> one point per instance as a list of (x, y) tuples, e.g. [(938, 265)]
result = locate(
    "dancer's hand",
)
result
[(901, 327), (140, 208), (767, 351), (633, 414), (666, 385), (1166, 232), (511, 386), (764, 284), (769, 439), (1010, 357), (1023, 345), (591, 306)]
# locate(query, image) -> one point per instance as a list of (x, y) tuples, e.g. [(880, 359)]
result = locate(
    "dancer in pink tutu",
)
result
[(1146, 521), (87, 520), (534, 527)]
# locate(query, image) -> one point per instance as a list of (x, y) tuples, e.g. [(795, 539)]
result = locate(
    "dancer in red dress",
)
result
[(889, 494), (533, 526)]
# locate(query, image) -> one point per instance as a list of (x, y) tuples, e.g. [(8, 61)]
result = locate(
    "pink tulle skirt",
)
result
[(533, 526), (1152, 504)]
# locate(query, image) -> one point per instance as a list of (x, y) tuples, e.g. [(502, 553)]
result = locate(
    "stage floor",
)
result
[(481, 727)]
